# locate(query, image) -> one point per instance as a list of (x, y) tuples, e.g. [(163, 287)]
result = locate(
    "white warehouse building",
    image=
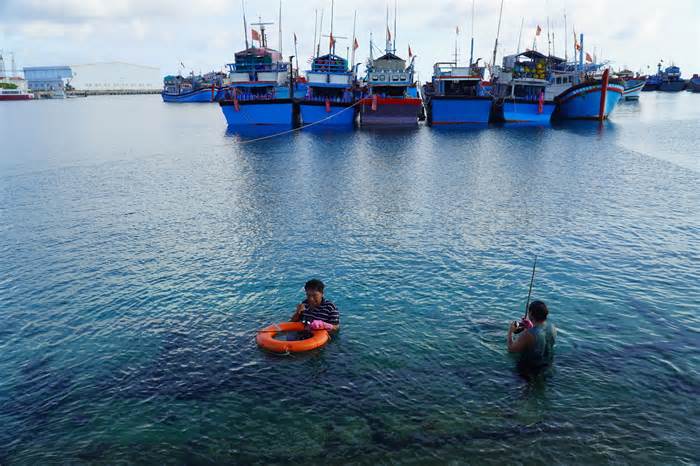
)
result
[(115, 76)]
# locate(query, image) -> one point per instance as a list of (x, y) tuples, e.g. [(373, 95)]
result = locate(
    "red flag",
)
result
[(410, 52), (375, 102), (576, 44), (332, 41), (539, 30), (328, 105), (589, 58), (255, 35), (388, 33), (355, 45)]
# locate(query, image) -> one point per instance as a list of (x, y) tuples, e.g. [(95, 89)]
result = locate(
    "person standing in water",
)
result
[(315, 311), (535, 345)]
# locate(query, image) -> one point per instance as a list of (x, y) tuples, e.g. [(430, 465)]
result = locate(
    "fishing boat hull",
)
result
[(278, 112), (694, 85), (583, 101), (672, 86), (633, 88), (4, 97), (509, 110), (332, 114), (382, 111), (200, 95), (455, 110)]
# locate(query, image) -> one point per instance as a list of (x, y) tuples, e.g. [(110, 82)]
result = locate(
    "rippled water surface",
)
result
[(141, 246)]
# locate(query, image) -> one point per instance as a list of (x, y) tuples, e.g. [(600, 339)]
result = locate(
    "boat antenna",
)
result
[(520, 36), (456, 39), (279, 23), (498, 33), (371, 47), (532, 280), (471, 48), (245, 25)]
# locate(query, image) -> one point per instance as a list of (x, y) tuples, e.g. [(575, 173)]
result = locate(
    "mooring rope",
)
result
[(270, 136)]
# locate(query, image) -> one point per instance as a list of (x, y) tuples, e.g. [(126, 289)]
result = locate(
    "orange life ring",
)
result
[(266, 338)]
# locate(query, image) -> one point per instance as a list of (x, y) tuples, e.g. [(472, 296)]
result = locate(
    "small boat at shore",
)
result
[(12, 87), (207, 88)]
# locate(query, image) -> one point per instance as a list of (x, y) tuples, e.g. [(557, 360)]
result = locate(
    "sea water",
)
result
[(142, 244)]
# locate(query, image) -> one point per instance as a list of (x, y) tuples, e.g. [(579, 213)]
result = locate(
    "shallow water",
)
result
[(142, 244)]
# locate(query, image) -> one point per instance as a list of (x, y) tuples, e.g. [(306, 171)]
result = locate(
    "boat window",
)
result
[(382, 77)]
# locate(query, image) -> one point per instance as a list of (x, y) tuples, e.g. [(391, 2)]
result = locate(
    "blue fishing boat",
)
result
[(519, 88), (261, 87), (331, 88), (456, 95), (592, 96), (330, 96), (671, 80), (207, 88)]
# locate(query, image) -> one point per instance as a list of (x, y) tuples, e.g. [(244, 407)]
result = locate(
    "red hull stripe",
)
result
[(392, 101)]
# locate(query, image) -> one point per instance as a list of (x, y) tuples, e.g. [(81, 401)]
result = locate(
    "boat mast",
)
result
[(456, 39), (320, 31), (371, 48), (279, 23), (331, 45), (566, 40), (315, 29), (498, 33), (471, 48), (549, 40), (388, 34), (396, 9), (262, 31), (245, 25), (520, 36), (354, 39)]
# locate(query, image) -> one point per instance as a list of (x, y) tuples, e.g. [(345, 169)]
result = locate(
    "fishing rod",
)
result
[(532, 280), (525, 322)]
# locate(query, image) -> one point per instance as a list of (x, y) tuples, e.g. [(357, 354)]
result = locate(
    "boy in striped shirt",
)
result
[(316, 311)]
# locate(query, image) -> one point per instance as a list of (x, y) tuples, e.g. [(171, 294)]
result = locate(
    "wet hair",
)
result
[(538, 311), (314, 285)]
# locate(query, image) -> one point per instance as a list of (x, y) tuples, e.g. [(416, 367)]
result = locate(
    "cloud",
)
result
[(205, 35)]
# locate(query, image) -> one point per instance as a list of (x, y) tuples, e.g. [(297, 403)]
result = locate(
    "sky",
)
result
[(204, 35)]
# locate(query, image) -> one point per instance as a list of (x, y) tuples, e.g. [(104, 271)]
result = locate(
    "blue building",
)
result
[(48, 79)]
